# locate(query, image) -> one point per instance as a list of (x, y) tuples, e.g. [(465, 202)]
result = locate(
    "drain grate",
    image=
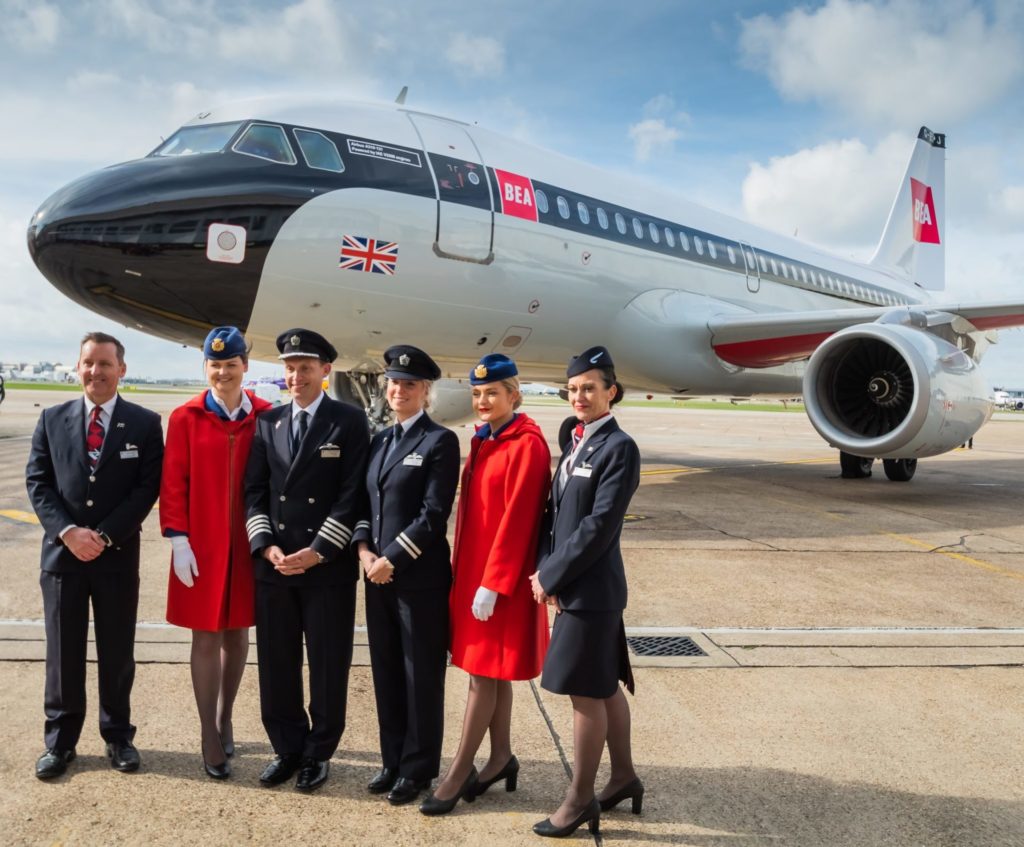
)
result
[(663, 645)]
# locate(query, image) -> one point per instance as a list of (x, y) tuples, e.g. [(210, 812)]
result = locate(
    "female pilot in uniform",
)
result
[(210, 588), (580, 572), (498, 633), (410, 487)]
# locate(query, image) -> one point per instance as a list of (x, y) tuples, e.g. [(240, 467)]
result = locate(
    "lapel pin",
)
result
[(120, 425)]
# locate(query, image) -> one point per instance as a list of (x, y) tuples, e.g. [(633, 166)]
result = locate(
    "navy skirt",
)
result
[(588, 655)]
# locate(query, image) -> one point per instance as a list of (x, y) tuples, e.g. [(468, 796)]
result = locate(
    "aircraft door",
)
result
[(465, 207), (750, 264)]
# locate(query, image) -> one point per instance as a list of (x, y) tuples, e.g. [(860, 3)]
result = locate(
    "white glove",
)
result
[(183, 560), (483, 603)]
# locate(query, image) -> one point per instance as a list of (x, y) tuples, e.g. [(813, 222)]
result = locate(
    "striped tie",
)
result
[(94, 438), (577, 436)]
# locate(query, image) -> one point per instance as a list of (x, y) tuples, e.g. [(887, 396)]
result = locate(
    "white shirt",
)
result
[(311, 408), (408, 422), (588, 430), (233, 415)]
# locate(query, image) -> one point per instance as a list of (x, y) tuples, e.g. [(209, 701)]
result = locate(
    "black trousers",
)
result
[(115, 604), (325, 615), (408, 632)]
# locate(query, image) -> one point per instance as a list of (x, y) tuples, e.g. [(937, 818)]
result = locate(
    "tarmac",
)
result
[(860, 685)]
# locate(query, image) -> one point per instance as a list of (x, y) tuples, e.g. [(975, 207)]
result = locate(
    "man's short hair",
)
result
[(104, 338)]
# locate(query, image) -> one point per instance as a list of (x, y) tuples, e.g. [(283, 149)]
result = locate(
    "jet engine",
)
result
[(893, 391)]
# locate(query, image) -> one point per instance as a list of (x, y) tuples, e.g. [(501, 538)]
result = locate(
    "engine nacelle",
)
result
[(451, 401), (890, 391)]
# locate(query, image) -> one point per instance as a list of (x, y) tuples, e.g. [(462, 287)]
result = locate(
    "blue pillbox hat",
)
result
[(224, 342), (493, 367)]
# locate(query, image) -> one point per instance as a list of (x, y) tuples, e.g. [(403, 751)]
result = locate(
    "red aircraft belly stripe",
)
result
[(998, 321), (767, 352)]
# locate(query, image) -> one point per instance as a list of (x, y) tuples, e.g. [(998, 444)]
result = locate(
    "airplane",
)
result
[(377, 223)]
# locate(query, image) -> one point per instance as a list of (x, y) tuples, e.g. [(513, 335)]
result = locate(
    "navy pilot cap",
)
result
[(224, 342), (493, 367), (293, 343), (403, 361), (594, 357)]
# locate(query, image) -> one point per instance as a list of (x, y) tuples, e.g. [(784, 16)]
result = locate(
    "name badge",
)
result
[(413, 460), (129, 454), (585, 472), (330, 451)]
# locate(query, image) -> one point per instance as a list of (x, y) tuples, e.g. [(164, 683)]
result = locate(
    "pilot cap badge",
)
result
[(295, 341), (403, 360)]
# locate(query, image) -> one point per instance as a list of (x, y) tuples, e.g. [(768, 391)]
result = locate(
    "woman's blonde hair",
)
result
[(512, 385)]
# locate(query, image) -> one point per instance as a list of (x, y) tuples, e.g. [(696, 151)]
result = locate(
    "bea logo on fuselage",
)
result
[(926, 224), (517, 197)]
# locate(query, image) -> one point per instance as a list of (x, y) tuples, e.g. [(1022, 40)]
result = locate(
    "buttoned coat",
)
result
[(579, 557), (311, 501), (408, 497), (114, 498)]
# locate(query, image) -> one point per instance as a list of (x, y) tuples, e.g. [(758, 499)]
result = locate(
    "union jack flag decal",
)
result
[(369, 255)]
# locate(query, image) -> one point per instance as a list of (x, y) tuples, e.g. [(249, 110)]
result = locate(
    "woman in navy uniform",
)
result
[(410, 486), (580, 572), (302, 490)]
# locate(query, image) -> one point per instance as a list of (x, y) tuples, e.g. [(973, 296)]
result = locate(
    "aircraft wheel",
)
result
[(854, 467), (900, 470)]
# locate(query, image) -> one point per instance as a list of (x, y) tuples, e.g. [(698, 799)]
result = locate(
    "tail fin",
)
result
[(911, 243)]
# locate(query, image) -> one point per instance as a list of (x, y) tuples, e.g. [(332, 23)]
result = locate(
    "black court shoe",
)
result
[(590, 816), (221, 771), (509, 773), (433, 806), (633, 789)]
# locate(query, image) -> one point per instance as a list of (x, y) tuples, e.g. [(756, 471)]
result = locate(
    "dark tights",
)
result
[(218, 662)]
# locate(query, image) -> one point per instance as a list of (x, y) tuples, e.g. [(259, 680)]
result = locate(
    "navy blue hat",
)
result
[(593, 357), (493, 367), (224, 342), (403, 361), (304, 342)]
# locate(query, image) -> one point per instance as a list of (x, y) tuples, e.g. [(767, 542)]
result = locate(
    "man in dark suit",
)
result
[(93, 475), (302, 488)]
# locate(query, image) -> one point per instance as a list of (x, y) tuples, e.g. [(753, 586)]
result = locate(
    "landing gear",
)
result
[(854, 467), (900, 470), (366, 390)]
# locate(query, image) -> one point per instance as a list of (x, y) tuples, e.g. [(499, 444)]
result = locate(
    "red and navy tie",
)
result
[(577, 436), (94, 438)]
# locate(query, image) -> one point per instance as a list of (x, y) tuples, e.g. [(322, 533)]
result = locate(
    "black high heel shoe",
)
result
[(509, 773), (433, 806), (634, 789), (221, 771), (227, 741), (590, 816)]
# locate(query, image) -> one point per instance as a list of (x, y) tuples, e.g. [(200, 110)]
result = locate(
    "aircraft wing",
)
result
[(758, 340)]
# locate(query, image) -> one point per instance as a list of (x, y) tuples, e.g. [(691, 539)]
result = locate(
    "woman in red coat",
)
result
[(210, 588), (498, 633)]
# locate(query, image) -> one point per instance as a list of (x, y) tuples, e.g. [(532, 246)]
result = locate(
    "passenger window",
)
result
[(266, 141), (670, 238), (620, 223), (803, 273), (602, 218), (684, 240), (732, 254), (638, 228), (319, 151), (775, 267), (653, 229), (785, 270), (542, 201), (750, 261), (583, 212), (712, 252), (763, 263), (698, 245), (563, 206)]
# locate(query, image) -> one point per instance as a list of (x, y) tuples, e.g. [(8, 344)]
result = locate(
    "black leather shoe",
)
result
[(383, 781), (433, 806), (54, 762), (590, 816), (312, 774), (406, 790), (221, 771), (633, 790), (509, 773), (281, 769), (123, 756)]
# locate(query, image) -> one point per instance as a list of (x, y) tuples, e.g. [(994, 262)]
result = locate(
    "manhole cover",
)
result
[(663, 645)]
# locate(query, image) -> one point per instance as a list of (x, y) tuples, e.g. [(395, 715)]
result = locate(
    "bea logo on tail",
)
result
[(926, 224)]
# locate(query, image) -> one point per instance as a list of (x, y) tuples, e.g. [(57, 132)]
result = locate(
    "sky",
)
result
[(797, 117)]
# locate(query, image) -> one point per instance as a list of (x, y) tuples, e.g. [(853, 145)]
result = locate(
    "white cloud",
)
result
[(480, 55), (894, 63), (652, 136), (30, 25)]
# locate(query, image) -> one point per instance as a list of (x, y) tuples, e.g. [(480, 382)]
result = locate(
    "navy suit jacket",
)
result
[(309, 500), (408, 498), (114, 499), (579, 559)]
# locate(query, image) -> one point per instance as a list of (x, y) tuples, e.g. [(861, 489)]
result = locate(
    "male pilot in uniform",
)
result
[(93, 475), (302, 489)]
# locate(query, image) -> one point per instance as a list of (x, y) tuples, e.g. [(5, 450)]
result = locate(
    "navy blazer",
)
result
[(113, 499), (311, 500), (579, 559), (408, 498)]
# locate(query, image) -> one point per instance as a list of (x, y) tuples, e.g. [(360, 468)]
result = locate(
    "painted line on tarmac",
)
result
[(688, 469), (18, 516)]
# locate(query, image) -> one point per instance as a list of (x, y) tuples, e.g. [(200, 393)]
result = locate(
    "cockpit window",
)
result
[(319, 151), (266, 141), (190, 140)]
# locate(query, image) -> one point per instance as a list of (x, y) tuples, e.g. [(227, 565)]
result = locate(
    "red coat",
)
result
[(201, 495), (504, 490)]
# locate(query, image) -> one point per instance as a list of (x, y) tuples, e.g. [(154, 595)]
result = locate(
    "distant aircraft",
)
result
[(376, 224)]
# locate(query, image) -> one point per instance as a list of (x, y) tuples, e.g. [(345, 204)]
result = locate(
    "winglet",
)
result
[(400, 99)]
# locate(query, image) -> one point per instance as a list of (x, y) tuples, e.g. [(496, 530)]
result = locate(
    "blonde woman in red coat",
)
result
[(498, 632), (202, 511)]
